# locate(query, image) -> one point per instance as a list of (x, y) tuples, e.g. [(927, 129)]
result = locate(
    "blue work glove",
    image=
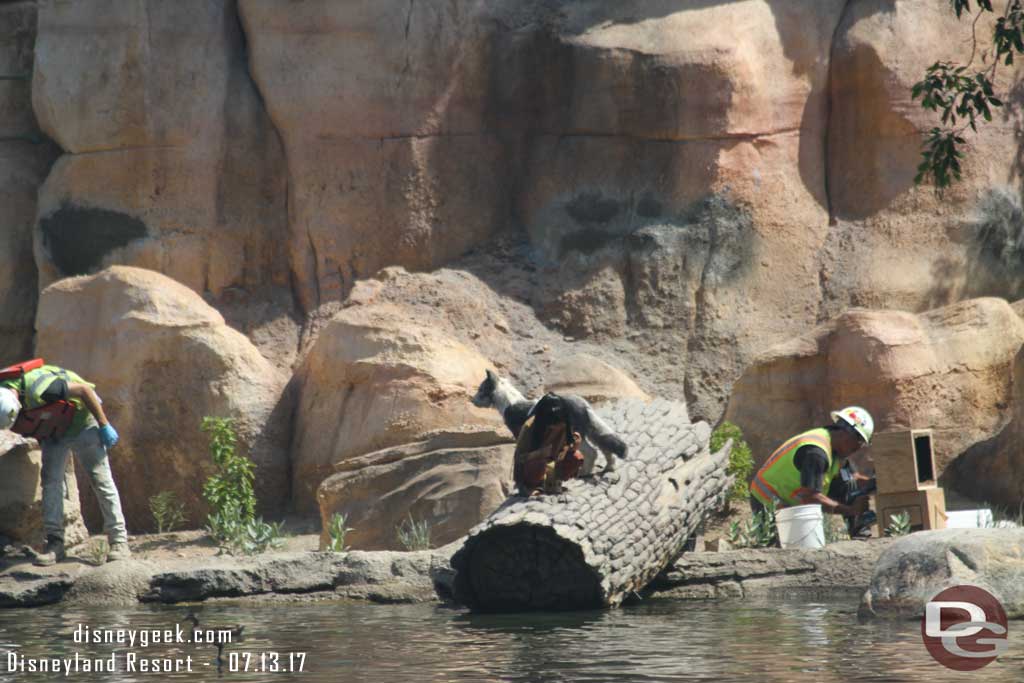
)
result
[(108, 435)]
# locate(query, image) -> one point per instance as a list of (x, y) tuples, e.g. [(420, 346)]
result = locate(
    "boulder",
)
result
[(949, 370), (374, 379), (21, 495), (995, 467), (450, 481), (591, 378), (839, 568), (25, 159), (162, 359), (171, 163), (916, 567)]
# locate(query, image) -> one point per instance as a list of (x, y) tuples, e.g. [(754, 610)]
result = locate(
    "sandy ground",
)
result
[(183, 544)]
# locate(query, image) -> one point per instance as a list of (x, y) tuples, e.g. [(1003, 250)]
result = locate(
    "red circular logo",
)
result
[(964, 628)]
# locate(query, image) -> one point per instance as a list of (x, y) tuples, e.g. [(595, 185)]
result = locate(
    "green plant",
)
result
[(232, 480), (414, 535), (232, 521), (168, 511), (336, 529), (963, 95), (256, 536), (98, 550), (835, 529), (758, 532), (899, 524), (227, 524), (741, 461)]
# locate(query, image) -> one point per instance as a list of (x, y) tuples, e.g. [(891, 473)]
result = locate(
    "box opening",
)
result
[(923, 455)]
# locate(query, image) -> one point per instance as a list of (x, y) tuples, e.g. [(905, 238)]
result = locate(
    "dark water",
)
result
[(659, 640)]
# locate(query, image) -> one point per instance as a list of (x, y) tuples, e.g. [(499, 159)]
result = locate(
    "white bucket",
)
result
[(801, 526)]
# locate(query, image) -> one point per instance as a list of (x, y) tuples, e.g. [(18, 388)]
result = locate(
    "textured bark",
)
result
[(603, 538)]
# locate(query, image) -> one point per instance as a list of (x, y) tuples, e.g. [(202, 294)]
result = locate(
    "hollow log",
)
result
[(604, 537)]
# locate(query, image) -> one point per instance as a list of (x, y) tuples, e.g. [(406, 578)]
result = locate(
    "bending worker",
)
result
[(63, 412), (800, 470)]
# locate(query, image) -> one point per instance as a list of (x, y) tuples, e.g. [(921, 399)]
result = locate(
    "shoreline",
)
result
[(394, 577)]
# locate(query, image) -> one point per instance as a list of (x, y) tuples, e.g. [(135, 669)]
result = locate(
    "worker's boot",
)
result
[(119, 551), (52, 554)]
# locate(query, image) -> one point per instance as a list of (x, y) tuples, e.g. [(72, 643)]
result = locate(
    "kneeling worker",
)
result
[(800, 470), (62, 411)]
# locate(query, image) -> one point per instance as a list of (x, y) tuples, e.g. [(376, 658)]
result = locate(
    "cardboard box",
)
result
[(904, 461), (927, 509)]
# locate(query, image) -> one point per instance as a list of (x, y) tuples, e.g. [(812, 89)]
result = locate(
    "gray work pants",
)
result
[(93, 458)]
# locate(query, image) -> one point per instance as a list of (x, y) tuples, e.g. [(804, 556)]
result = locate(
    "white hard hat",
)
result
[(10, 406), (859, 419)]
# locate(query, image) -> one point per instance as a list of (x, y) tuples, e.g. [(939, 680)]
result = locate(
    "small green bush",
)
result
[(835, 529), (899, 525), (741, 461), (168, 511), (336, 529), (232, 521), (758, 532), (232, 480), (98, 550), (414, 535)]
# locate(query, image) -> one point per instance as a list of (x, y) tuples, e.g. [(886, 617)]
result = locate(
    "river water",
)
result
[(657, 640)]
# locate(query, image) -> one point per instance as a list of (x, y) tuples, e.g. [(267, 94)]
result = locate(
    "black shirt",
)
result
[(812, 463)]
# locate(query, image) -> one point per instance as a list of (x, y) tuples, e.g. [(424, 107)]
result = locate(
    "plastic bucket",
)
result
[(801, 526)]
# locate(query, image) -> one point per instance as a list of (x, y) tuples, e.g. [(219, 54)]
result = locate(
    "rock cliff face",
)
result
[(671, 186)]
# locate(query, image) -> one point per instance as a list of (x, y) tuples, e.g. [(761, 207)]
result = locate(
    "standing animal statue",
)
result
[(499, 393)]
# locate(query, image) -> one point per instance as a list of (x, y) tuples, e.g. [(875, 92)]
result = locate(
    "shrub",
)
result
[(98, 550), (835, 529), (758, 532), (899, 525), (741, 461), (232, 521), (168, 511), (336, 529), (414, 535), (231, 483)]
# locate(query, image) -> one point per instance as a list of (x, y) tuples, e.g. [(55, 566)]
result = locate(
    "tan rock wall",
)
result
[(170, 160), (381, 105), (25, 160)]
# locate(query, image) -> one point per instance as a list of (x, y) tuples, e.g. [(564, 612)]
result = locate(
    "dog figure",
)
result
[(498, 393)]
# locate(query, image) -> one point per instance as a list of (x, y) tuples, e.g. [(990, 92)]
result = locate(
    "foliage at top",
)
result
[(963, 95), (741, 461)]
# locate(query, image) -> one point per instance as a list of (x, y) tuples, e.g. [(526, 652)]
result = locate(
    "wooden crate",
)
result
[(927, 509), (904, 461)]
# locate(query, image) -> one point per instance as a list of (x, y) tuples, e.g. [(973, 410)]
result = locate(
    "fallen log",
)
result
[(603, 538)]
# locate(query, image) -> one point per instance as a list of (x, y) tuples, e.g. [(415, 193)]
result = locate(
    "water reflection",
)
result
[(658, 640)]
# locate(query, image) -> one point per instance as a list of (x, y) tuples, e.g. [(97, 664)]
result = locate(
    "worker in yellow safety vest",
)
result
[(800, 470)]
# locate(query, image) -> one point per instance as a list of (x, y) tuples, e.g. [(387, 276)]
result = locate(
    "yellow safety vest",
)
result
[(778, 480)]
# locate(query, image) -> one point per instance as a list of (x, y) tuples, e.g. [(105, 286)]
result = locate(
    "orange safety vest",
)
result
[(778, 480)]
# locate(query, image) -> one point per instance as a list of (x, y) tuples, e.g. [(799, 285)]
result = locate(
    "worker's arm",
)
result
[(829, 505), (90, 399), (813, 463)]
